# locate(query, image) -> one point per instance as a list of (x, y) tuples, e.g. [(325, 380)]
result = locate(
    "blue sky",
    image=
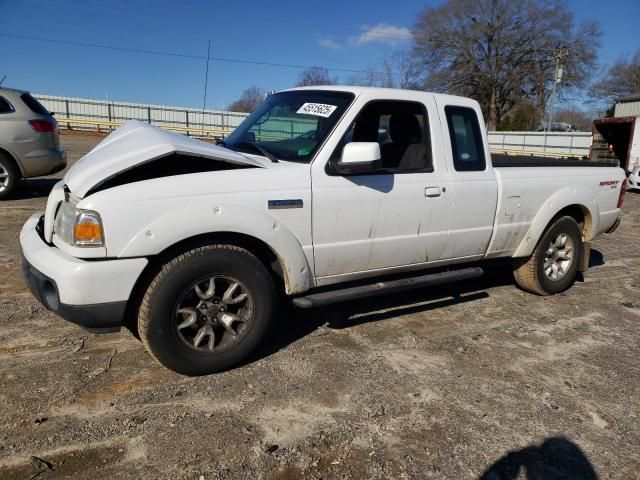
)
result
[(340, 34)]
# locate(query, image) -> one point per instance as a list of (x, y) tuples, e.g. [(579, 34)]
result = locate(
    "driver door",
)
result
[(377, 222)]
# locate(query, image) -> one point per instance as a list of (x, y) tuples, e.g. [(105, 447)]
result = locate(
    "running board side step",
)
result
[(380, 288)]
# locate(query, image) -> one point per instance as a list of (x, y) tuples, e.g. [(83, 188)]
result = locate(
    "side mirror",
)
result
[(359, 157)]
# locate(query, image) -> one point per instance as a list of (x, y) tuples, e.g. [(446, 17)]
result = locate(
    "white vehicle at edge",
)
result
[(634, 173), (196, 243)]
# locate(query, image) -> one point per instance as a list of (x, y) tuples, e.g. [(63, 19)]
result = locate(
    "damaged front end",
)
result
[(138, 151), (134, 153)]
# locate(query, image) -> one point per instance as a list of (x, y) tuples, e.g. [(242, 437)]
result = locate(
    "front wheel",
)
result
[(553, 265), (207, 309)]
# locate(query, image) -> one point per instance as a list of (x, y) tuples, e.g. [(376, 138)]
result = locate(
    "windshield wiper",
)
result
[(257, 147)]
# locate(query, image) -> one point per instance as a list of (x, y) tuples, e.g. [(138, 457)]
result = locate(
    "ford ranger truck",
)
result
[(319, 195)]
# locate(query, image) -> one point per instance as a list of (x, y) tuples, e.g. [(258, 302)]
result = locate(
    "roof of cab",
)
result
[(380, 91)]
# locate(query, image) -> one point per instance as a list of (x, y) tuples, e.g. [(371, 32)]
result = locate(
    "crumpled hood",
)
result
[(137, 143)]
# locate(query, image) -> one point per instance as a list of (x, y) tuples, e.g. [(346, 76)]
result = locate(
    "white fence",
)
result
[(538, 143), (160, 115), (192, 121)]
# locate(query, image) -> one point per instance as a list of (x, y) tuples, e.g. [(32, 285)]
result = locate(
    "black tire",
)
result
[(159, 320), (530, 274), (9, 183)]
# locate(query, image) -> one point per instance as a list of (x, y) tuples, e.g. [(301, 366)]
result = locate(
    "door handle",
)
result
[(432, 192)]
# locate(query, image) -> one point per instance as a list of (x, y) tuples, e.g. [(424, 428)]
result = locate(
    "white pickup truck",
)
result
[(317, 195)]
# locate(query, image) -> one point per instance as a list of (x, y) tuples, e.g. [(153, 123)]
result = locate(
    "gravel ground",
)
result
[(473, 380)]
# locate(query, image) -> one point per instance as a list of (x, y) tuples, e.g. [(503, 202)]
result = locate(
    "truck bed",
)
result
[(503, 160)]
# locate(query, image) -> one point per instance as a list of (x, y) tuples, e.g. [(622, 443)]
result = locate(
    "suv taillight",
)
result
[(43, 126), (623, 190)]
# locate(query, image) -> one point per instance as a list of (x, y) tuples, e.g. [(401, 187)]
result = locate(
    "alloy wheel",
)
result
[(214, 314), (558, 257)]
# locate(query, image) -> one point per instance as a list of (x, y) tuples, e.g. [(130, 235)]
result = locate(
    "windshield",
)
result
[(290, 125)]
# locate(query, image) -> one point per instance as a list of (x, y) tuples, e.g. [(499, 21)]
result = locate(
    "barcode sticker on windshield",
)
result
[(317, 109)]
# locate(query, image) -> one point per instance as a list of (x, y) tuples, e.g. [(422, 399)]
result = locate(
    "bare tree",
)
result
[(374, 76), (582, 121), (249, 100), (408, 71), (621, 80), (397, 70), (523, 116), (367, 78), (315, 76), (502, 51)]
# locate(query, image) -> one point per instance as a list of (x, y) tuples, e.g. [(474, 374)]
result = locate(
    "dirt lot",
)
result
[(459, 382)]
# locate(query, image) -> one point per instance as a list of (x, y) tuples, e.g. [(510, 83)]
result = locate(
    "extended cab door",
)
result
[(475, 189), (377, 221)]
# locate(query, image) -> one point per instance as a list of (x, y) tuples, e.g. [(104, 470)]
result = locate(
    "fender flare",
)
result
[(193, 220), (566, 197)]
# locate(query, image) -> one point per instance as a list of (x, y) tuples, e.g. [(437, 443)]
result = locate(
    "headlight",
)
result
[(82, 228)]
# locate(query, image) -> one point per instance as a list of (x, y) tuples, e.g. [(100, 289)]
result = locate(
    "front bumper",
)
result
[(93, 294)]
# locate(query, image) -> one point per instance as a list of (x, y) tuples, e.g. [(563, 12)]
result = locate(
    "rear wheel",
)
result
[(9, 176), (553, 265), (207, 309)]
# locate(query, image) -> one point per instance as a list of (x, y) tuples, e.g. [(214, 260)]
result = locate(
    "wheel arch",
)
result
[(257, 247), (13, 158), (581, 215), (254, 230), (582, 208)]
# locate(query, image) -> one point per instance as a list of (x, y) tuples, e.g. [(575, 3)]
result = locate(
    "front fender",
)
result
[(566, 197), (188, 222)]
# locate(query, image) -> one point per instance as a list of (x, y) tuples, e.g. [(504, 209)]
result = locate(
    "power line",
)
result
[(181, 55)]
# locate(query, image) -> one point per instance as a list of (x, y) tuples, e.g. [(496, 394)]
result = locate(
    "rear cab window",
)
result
[(466, 139), (34, 105)]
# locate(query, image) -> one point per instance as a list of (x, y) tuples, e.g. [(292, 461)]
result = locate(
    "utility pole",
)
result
[(206, 80), (557, 78)]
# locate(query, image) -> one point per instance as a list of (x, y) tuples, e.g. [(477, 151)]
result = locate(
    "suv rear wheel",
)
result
[(9, 176), (207, 309)]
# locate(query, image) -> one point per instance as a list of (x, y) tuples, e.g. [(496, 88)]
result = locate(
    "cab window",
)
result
[(401, 130), (466, 139)]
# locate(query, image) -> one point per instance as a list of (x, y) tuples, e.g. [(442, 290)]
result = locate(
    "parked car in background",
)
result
[(556, 127), (29, 140)]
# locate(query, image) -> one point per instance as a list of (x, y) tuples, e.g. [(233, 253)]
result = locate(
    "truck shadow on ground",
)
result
[(555, 459), (596, 258), (293, 323), (34, 188)]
